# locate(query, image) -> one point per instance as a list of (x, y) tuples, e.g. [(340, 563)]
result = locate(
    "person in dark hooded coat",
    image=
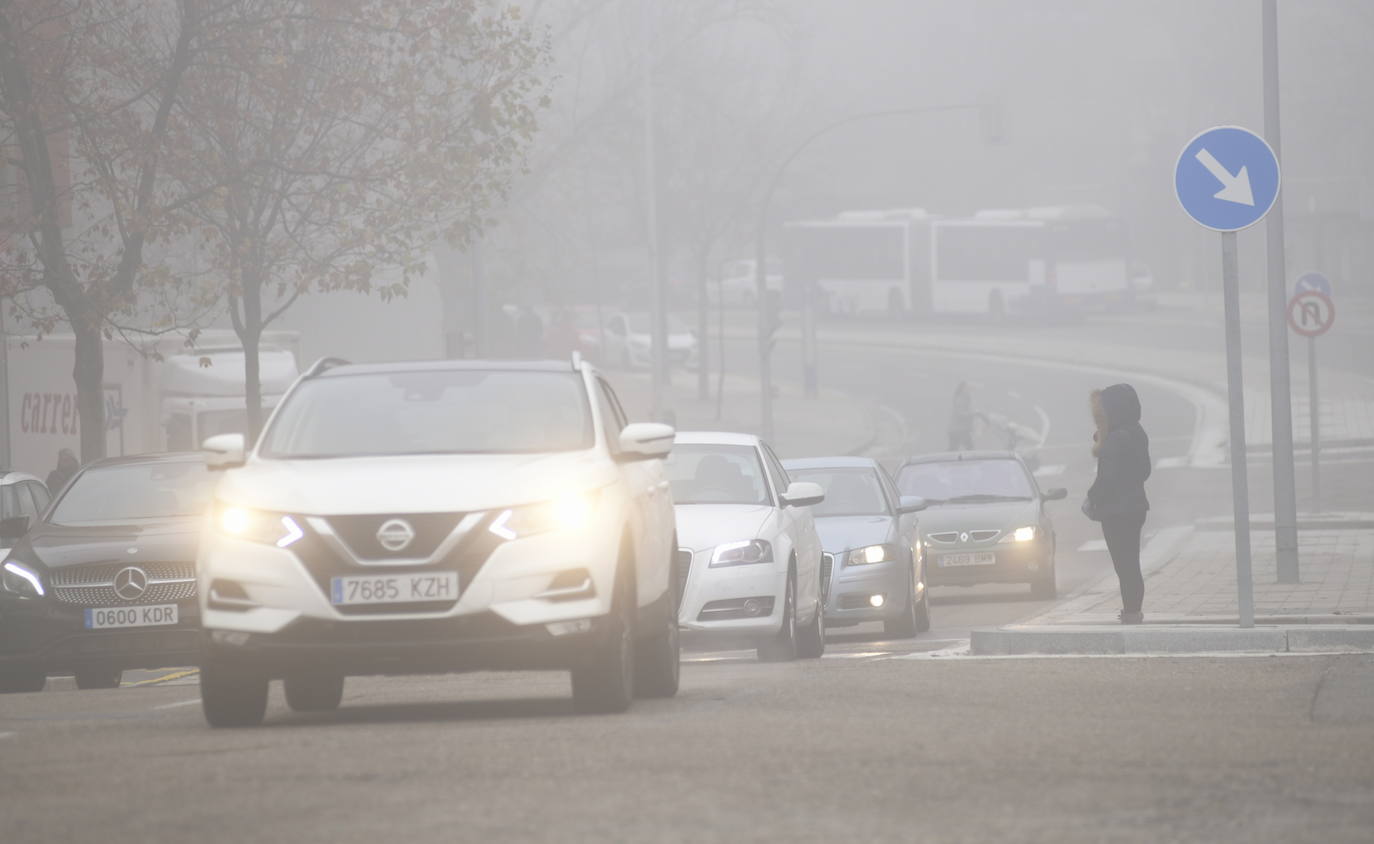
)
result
[(1117, 497)]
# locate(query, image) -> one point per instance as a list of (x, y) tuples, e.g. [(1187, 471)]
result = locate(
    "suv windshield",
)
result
[(848, 492), (716, 474), (135, 491), (432, 412), (966, 481)]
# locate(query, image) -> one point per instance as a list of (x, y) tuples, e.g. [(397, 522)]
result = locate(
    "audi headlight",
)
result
[(1021, 534), (570, 512), (259, 526), (871, 554), (742, 553), (21, 580)]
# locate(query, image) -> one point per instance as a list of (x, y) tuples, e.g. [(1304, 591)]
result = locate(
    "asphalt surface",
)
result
[(879, 740)]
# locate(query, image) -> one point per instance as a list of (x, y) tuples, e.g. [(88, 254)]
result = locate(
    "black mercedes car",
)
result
[(105, 580)]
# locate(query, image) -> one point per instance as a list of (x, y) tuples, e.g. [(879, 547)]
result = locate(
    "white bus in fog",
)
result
[(997, 261)]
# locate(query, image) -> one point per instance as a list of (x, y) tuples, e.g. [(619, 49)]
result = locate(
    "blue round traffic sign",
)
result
[(1227, 178), (1314, 282)]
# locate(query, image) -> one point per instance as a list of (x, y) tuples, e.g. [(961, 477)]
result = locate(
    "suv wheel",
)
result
[(21, 678), (314, 691), (658, 659), (782, 646), (232, 696), (98, 678), (603, 679)]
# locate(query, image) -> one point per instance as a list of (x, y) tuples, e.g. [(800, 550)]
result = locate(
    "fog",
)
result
[(1092, 103)]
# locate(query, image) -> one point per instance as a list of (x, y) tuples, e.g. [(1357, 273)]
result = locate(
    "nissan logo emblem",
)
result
[(130, 583), (395, 535)]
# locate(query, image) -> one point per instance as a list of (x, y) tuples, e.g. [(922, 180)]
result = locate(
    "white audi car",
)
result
[(442, 516), (749, 558)]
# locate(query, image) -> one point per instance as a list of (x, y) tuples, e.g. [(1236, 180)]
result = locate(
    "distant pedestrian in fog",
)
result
[(961, 419), (1117, 496), (66, 467)]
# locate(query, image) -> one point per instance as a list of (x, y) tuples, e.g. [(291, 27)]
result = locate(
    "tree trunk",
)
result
[(88, 372), (250, 334)]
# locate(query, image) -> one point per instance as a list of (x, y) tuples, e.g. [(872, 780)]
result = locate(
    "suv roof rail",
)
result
[(323, 365), (576, 360)]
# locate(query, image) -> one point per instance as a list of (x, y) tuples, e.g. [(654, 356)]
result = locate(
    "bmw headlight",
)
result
[(258, 526), (18, 579), (570, 512), (742, 553), (1021, 534), (871, 554)]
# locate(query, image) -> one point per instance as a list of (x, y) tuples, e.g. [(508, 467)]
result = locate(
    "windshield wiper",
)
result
[(988, 497)]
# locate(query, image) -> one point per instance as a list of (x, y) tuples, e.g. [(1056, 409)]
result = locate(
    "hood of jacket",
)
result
[(1120, 406)]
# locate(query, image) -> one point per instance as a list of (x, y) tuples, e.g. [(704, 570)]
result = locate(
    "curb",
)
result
[(1088, 641)]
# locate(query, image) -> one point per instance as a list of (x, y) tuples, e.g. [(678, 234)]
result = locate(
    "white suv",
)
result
[(430, 517)]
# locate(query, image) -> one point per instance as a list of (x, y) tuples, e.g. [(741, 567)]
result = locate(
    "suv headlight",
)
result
[(258, 526), (571, 512), (1021, 534), (871, 554), (21, 580), (742, 553)]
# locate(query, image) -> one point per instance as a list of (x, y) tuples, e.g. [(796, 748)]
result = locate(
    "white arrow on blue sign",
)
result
[(1313, 283), (1227, 178)]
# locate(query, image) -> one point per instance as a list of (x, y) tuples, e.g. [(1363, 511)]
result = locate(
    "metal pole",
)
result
[(1240, 481), (659, 354), (4, 396), (1314, 419), (1280, 387), (810, 377), (764, 325), (481, 347)]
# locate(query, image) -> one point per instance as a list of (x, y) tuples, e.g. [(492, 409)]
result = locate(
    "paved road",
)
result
[(846, 748)]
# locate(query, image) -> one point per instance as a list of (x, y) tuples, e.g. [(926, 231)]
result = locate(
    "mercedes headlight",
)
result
[(742, 553), (1021, 534), (571, 512), (259, 526), (871, 554), (21, 580)]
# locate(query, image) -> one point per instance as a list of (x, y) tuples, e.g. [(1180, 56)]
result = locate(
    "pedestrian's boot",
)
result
[(1131, 617)]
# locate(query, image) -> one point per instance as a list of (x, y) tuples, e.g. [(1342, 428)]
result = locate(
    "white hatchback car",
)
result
[(749, 558), (442, 516)]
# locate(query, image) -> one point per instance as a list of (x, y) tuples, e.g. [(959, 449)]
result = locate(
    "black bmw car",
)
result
[(105, 580)]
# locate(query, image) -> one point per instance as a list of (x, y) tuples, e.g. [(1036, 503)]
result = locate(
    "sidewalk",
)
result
[(1191, 603), (832, 423)]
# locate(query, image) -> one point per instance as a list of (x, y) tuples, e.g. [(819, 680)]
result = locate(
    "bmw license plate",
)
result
[(393, 588), (107, 618), (976, 558)]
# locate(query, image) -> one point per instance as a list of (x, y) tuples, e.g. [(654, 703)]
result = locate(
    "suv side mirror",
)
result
[(224, 451), (1056, 494), (803, 494), (646, 441), (14, 527), (912, 504)]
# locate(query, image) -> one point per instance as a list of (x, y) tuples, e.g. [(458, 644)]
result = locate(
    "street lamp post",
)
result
[(765, 322)]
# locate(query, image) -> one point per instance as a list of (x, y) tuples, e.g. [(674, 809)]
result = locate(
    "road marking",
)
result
[(7, 735), (175, 675), (861, 655), (178, 703), (1094, 545), (1044, 425)]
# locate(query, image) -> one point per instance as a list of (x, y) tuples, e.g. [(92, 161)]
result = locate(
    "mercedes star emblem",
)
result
[(130, 583), (395, 535)]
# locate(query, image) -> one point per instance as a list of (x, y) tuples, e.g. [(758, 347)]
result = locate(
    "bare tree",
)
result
[(332, 144)]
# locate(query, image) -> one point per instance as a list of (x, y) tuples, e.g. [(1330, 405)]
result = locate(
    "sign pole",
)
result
[(1315, 419), (1240, 481), (1280, 388)]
